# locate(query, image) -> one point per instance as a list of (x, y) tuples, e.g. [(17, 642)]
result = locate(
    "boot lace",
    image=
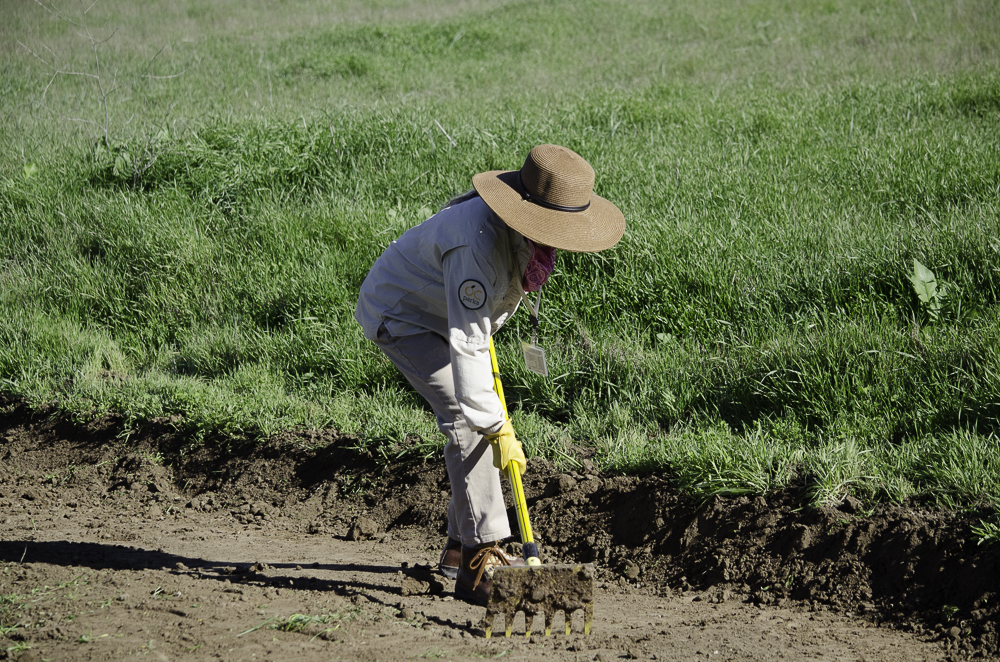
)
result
[(485, 560)]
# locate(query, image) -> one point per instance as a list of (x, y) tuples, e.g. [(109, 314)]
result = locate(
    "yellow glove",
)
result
[(506, 448)]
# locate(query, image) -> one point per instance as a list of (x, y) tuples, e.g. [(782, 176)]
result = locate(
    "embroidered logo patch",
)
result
[(472, 294)]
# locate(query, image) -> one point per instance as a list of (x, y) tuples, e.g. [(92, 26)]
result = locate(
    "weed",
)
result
[(932, 295), (987, 531), (299, 622), (354, 485)]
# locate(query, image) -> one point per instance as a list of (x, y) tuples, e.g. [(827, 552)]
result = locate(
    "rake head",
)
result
[(541, 590)]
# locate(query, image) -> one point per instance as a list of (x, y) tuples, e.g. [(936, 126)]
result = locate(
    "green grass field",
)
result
[(183, 231)]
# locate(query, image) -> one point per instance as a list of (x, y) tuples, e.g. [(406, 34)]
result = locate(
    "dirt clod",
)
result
[(851, 505), (364, 528), (564, 484), (420, 580)]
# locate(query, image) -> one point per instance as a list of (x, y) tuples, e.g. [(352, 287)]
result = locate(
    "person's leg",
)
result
[(476, 513)]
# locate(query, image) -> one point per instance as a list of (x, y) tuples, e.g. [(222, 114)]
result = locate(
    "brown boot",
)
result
[(475, 576), (451, 558)]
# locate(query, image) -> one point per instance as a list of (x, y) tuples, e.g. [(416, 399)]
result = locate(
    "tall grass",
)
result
[(757, 326)]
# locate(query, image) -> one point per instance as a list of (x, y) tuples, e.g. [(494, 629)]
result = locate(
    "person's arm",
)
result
[(470, 297)]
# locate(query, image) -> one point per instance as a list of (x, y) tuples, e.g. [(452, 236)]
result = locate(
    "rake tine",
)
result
[(548, 621)]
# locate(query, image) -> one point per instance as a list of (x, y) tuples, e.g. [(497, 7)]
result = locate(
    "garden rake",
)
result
[(536, 589)]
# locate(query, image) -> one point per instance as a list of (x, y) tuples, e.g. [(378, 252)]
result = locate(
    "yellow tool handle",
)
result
[(497, 386), (528, 546)]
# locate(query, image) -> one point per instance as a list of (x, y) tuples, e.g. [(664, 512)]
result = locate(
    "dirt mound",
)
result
[(920, 569), (917, 569)]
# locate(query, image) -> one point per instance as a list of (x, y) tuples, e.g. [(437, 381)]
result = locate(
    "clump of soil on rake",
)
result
[(542, 591)]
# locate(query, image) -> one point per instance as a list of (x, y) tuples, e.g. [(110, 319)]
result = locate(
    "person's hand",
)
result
[(506, 448)]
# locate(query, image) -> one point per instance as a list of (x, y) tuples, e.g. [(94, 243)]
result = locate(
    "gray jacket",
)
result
[(457, 274)]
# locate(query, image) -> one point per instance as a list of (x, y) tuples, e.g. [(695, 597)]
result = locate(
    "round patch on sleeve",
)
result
[(472, 294)]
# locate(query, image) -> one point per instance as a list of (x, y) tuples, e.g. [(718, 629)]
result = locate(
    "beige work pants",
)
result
[(476, 513)]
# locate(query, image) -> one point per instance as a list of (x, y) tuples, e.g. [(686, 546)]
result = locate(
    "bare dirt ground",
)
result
[(113, 547)]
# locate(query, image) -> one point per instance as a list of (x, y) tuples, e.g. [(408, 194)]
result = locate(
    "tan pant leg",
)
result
[(476, 513)]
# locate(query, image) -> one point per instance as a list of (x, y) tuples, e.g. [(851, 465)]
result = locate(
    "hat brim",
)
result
[(597, 228)]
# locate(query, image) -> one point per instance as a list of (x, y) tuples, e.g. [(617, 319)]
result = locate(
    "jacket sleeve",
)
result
[(469, 292)]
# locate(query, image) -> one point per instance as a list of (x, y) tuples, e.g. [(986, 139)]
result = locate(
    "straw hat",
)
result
[(551, 201)]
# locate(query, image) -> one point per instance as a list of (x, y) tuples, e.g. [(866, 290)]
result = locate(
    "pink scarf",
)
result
[(541, 264)]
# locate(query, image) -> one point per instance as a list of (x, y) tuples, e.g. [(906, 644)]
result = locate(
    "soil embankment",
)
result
[(113, 546)]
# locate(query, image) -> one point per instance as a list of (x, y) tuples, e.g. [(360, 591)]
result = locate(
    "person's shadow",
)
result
[(111, 556)]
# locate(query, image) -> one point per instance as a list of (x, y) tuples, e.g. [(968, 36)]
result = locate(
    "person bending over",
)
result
[(434, 298)]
